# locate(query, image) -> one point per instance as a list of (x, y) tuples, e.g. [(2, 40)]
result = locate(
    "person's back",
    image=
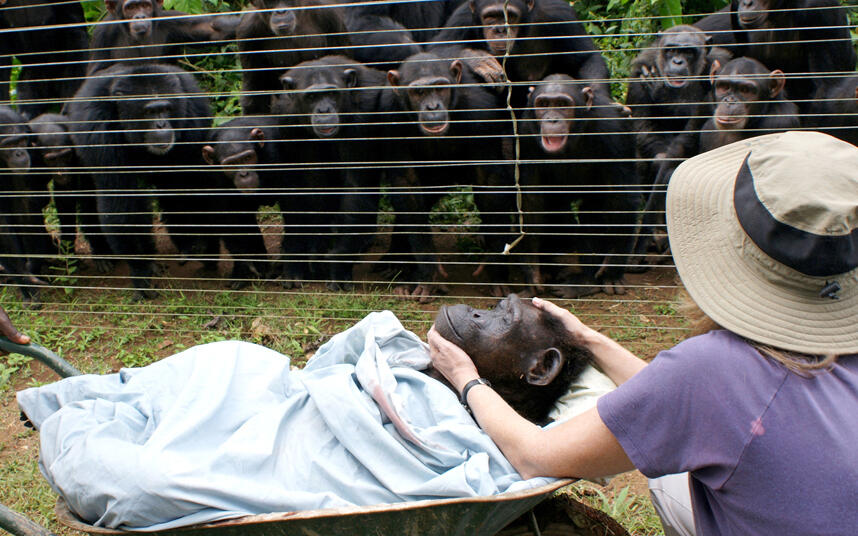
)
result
[(770, 451)]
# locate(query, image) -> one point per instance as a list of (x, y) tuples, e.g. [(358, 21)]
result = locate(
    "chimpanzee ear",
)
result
[(256, 135), (713, 71), (456, 70), (544, 367), (776, 82), (209, 154), (393, 77), (287, 82), (2, 2), (351, 76), (160, 3), (111, 5), (588, 96)]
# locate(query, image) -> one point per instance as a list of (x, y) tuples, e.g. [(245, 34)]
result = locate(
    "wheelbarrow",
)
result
[(537, 511)]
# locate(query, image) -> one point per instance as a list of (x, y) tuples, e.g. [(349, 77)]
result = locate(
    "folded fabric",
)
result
[(228, 429)]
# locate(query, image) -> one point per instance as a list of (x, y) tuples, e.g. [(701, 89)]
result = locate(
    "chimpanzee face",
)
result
[(138, 13), (13, 150), (741, 90), (281, 16), (681, 55), (429, 91), (554, 104), (320, 94), (500, 32), (237, 157), (146, 116), (510, 343), (754, 13), (55, 146)]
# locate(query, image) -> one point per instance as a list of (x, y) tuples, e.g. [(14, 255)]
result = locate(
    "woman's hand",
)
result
[(580, 331), (450, 360)]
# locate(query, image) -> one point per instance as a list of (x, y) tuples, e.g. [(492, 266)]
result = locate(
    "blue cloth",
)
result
[(769, 451), (227, 429)]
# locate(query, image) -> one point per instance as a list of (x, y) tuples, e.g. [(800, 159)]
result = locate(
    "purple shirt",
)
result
[(770, 452)]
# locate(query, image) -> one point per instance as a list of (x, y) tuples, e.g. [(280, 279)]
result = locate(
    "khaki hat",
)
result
[(764, 233)]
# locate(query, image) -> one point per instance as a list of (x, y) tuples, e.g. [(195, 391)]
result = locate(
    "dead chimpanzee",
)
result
[(151, 33), (582, 195), (527, 355), (246, 149), (54, 153), (445, 112), (669, 92), (333, 110), (749, 101), (798, 37), (24, 242), (52, 57), (279, 35), (545, 37), (144, 124), (835, 110)]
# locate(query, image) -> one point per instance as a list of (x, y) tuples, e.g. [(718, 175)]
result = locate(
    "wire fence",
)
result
[(307, 162)]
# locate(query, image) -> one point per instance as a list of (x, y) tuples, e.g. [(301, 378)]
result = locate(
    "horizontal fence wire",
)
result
[(207, 181)]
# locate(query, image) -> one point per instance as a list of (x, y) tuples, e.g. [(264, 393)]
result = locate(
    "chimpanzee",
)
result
[(334, 109), (279, 35), (386, 33), (73, 195), (53, 58), (718, 27), (835, 109), (445, 113), (24, 241), (748, 101), (799, 37), (668, 92), (136, 31), (528, 356), (247, 150), (582, 194), (144, 124), (545, 37)]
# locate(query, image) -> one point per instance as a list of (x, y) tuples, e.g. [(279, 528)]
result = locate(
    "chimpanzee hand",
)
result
[(7, 329), (485, 65), (450, 360)]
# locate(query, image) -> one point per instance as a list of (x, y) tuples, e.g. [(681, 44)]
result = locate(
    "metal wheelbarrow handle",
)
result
[(40, 353)]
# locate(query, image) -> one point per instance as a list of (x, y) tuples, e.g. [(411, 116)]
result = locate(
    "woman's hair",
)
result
[(802, 364)]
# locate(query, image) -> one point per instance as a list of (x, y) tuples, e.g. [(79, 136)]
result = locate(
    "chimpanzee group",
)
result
[(346, 102)]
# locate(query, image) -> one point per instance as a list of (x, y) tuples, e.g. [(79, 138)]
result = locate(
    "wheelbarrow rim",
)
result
[(67, 518)]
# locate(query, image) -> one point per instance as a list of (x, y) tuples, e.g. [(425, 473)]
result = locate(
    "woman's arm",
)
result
[(581, 447)]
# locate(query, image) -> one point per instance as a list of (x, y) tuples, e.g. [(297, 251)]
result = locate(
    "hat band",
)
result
[(811, 254)]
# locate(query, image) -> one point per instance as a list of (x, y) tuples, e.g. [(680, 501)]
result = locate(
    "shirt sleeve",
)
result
[(691, 409)]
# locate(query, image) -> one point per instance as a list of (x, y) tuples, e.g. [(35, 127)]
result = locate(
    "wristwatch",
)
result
[(464, 398)]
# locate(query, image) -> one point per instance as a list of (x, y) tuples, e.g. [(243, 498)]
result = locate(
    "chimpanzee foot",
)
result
[(580, 287), (143, 294), (340, 286), (422, 293), (103, 266), (500, 291)]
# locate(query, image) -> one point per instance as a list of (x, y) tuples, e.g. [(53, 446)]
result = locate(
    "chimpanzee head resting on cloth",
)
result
[(528, 356)]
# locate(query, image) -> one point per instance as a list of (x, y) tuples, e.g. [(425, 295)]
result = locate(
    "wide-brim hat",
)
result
[(764, 233)]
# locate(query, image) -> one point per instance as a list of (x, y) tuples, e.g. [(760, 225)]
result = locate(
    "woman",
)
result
[(759, 410)]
